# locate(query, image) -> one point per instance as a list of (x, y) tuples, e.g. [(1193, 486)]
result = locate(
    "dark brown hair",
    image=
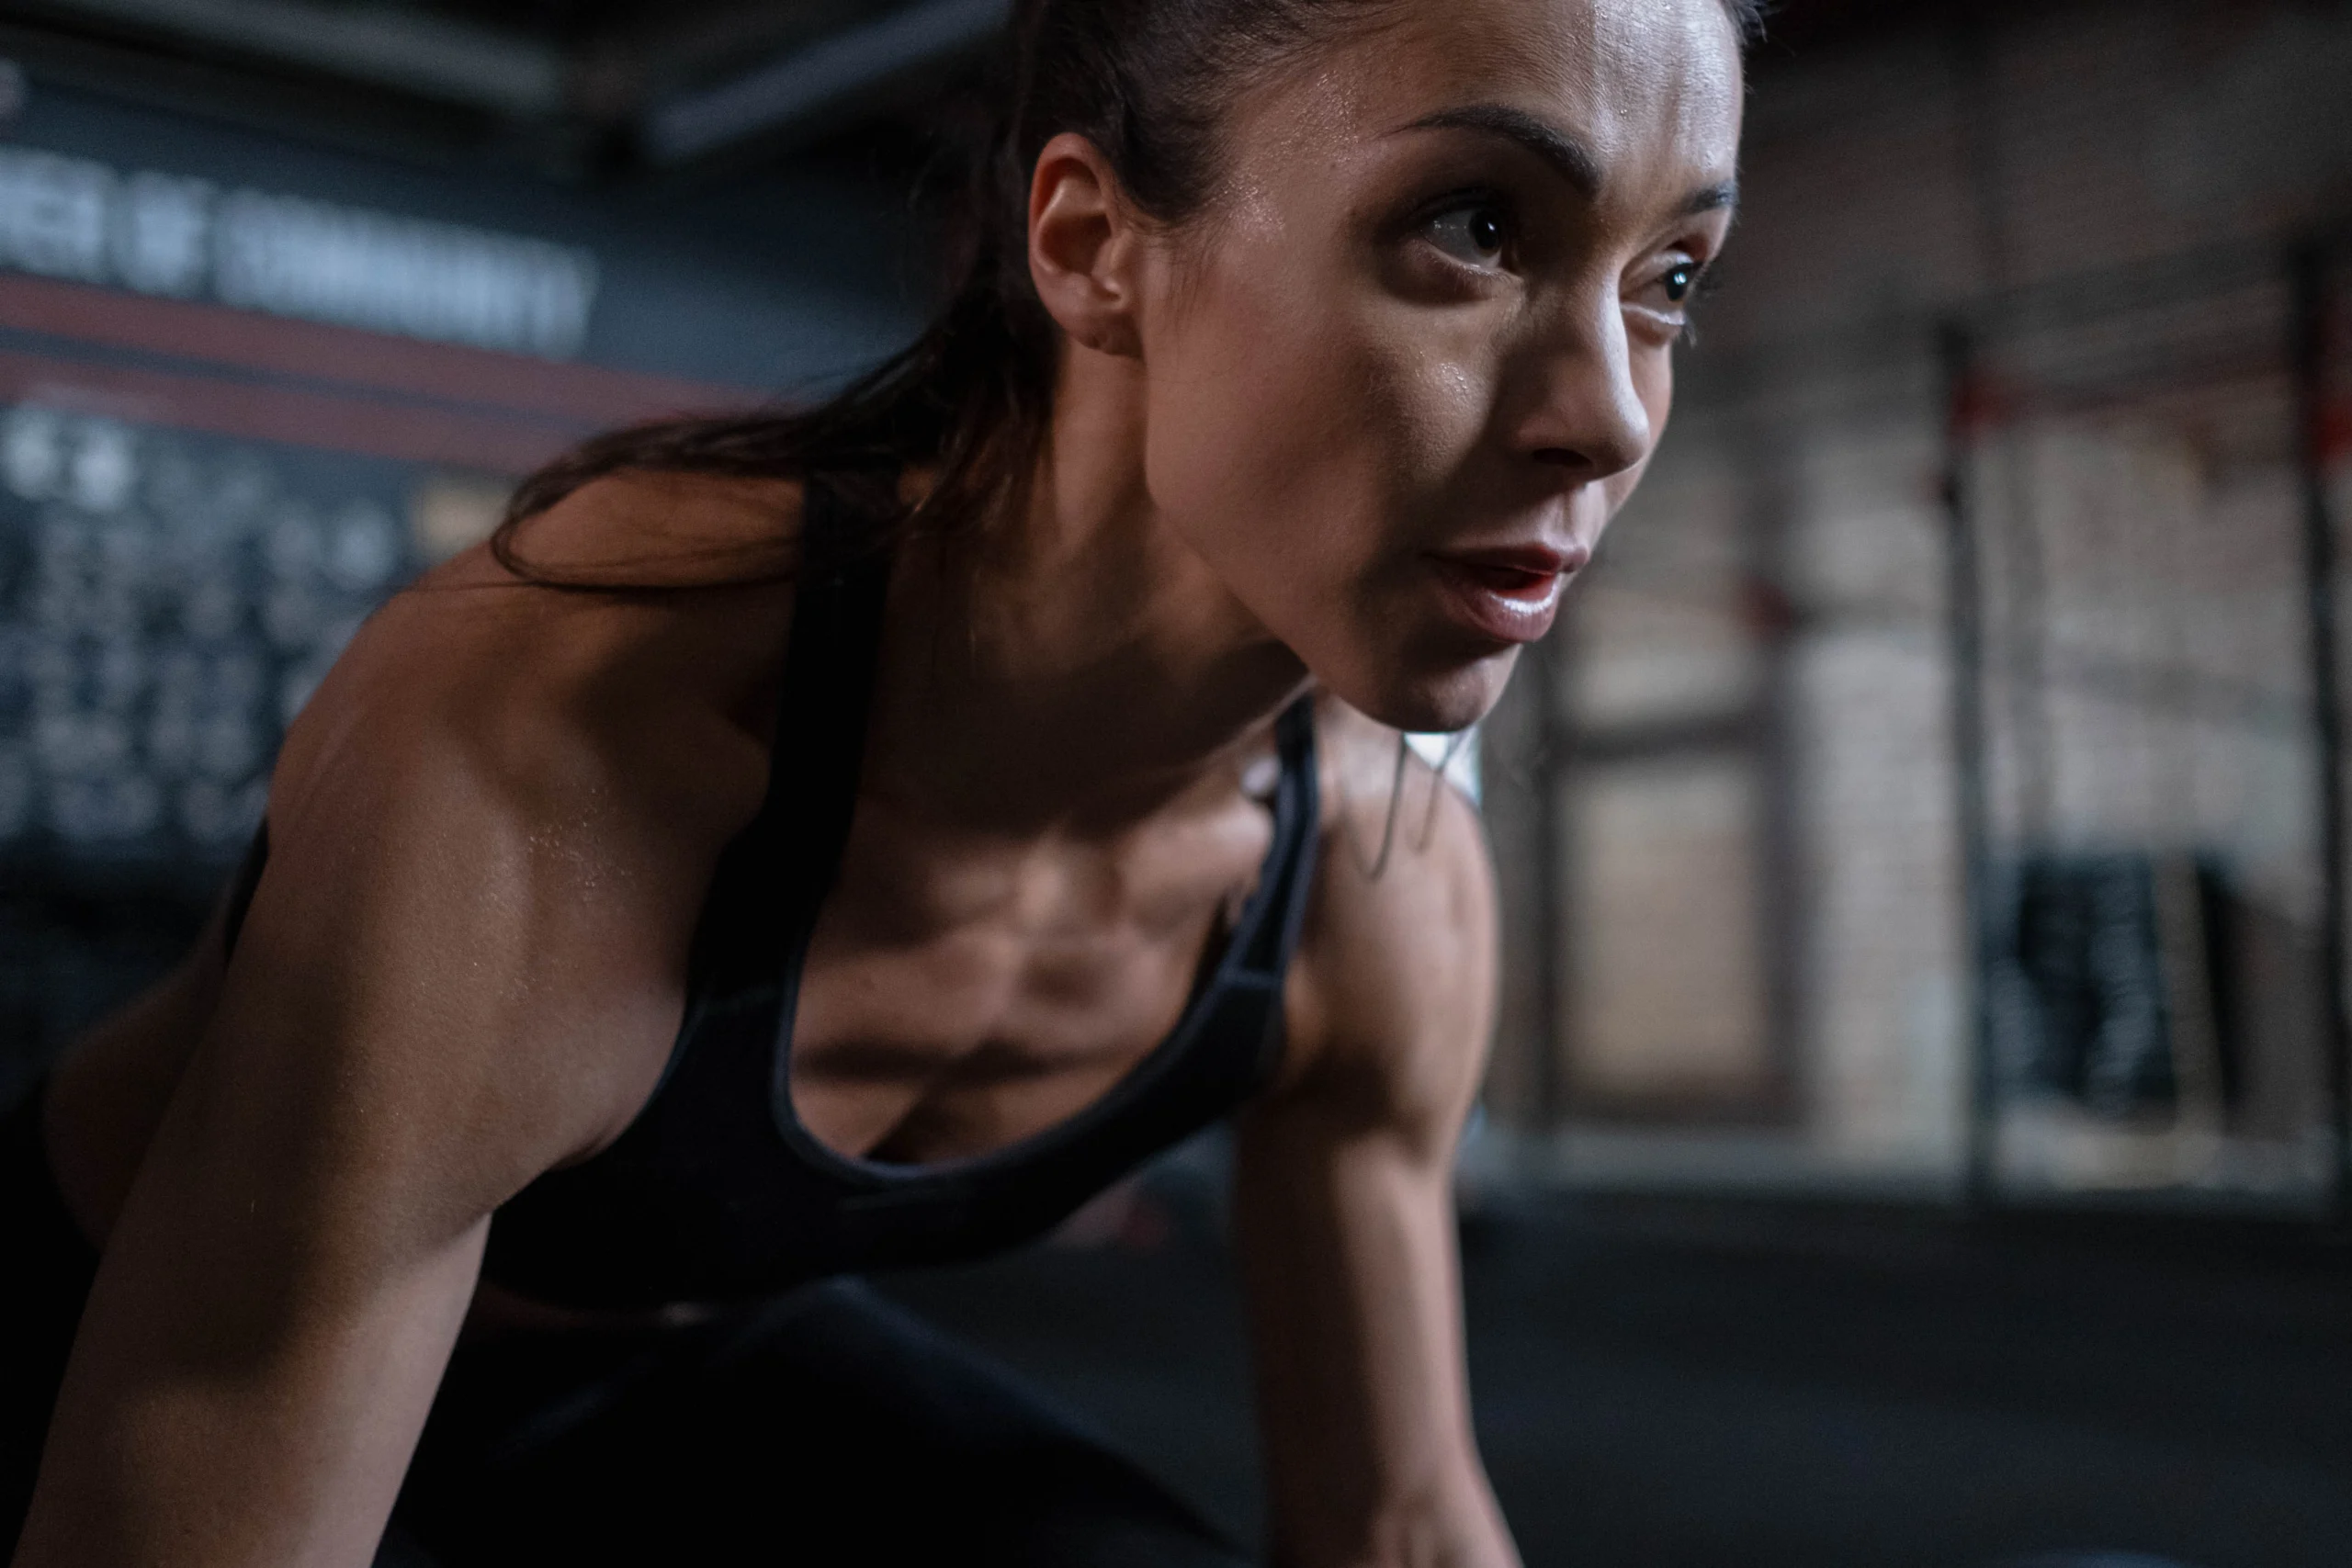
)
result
[(1150, 82)]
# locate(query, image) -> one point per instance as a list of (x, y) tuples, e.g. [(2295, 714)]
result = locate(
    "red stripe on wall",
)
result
[(589, 394), (489, 441)]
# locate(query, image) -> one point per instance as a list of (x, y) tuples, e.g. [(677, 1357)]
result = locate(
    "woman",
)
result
[(927, 834)]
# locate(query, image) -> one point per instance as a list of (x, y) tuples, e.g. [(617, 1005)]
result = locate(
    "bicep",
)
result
[(277, 1294), (285, 1280)]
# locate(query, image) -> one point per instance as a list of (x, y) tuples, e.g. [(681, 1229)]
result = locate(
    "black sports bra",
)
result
[(716, 1191)]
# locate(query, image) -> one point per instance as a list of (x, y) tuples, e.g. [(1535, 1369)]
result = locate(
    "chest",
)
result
[(959, 996)]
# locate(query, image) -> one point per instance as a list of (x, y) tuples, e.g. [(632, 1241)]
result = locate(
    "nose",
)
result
[(1581, 410)]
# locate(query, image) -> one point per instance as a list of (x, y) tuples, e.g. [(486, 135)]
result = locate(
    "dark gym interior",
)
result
[(1920, 1133)]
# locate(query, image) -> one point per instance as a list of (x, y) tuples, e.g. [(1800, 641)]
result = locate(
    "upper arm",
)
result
[(451, 979), (1391, 1020), (1392, 990), (1344, 1207)]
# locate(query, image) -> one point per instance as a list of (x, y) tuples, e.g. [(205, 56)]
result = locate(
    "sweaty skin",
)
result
[(1354, 425)]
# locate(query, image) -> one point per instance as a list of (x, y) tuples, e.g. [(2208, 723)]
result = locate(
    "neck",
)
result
[(1075, 663)]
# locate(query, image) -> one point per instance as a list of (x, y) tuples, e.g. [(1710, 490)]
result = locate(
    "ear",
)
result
[(1084, 246)]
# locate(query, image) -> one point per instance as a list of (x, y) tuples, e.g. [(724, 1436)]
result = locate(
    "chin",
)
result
[(1426, 702)]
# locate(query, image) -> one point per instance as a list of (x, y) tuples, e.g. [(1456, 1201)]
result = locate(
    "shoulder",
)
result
[(1391, 995), (535, 694), (657, 528), (507, 798)]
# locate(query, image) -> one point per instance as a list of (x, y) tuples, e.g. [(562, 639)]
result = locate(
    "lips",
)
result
[(1511, 594)]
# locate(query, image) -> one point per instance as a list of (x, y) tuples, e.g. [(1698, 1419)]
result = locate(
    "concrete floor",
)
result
[(1695, 1386)]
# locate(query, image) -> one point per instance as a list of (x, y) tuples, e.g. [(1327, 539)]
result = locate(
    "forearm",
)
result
[(1362, 1395)]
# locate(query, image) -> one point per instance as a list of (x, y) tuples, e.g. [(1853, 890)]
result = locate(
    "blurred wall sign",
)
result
[(246, 397), (168, 602), (183, 238)]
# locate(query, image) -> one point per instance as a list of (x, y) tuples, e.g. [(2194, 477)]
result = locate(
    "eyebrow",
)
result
[(1569, 158), (1723, 196)]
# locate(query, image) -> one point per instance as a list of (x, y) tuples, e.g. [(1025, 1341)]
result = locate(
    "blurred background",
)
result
[(1918, 1128)]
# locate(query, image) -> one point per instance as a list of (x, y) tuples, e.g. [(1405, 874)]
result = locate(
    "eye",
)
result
[(1671, 292), (1476, 232)]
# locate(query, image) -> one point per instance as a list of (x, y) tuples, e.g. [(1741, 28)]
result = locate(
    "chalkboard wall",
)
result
[(249, 387)]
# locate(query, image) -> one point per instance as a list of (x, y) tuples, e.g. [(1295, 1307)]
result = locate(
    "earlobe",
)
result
[(1082, 247)]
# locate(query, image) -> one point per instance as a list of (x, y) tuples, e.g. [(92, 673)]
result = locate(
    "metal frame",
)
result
[(1759, 735), (1548, 1080), (2308, 267), (1964, 624)]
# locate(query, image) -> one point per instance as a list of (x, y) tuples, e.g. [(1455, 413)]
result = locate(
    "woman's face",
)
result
[(1418, 349)]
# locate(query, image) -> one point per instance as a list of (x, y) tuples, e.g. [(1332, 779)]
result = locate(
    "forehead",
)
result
[(1652, 87)]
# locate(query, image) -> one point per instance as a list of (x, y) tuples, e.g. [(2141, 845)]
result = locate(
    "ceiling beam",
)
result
[(803, 92), (430, 56)]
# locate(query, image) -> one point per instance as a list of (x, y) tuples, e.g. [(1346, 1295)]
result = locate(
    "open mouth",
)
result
[(1511, 582), (1508, 595)]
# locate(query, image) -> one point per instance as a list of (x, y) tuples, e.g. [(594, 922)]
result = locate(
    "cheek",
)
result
[(1300, 426)]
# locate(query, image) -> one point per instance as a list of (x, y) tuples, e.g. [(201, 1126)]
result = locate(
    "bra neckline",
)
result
[(1230, 967)]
